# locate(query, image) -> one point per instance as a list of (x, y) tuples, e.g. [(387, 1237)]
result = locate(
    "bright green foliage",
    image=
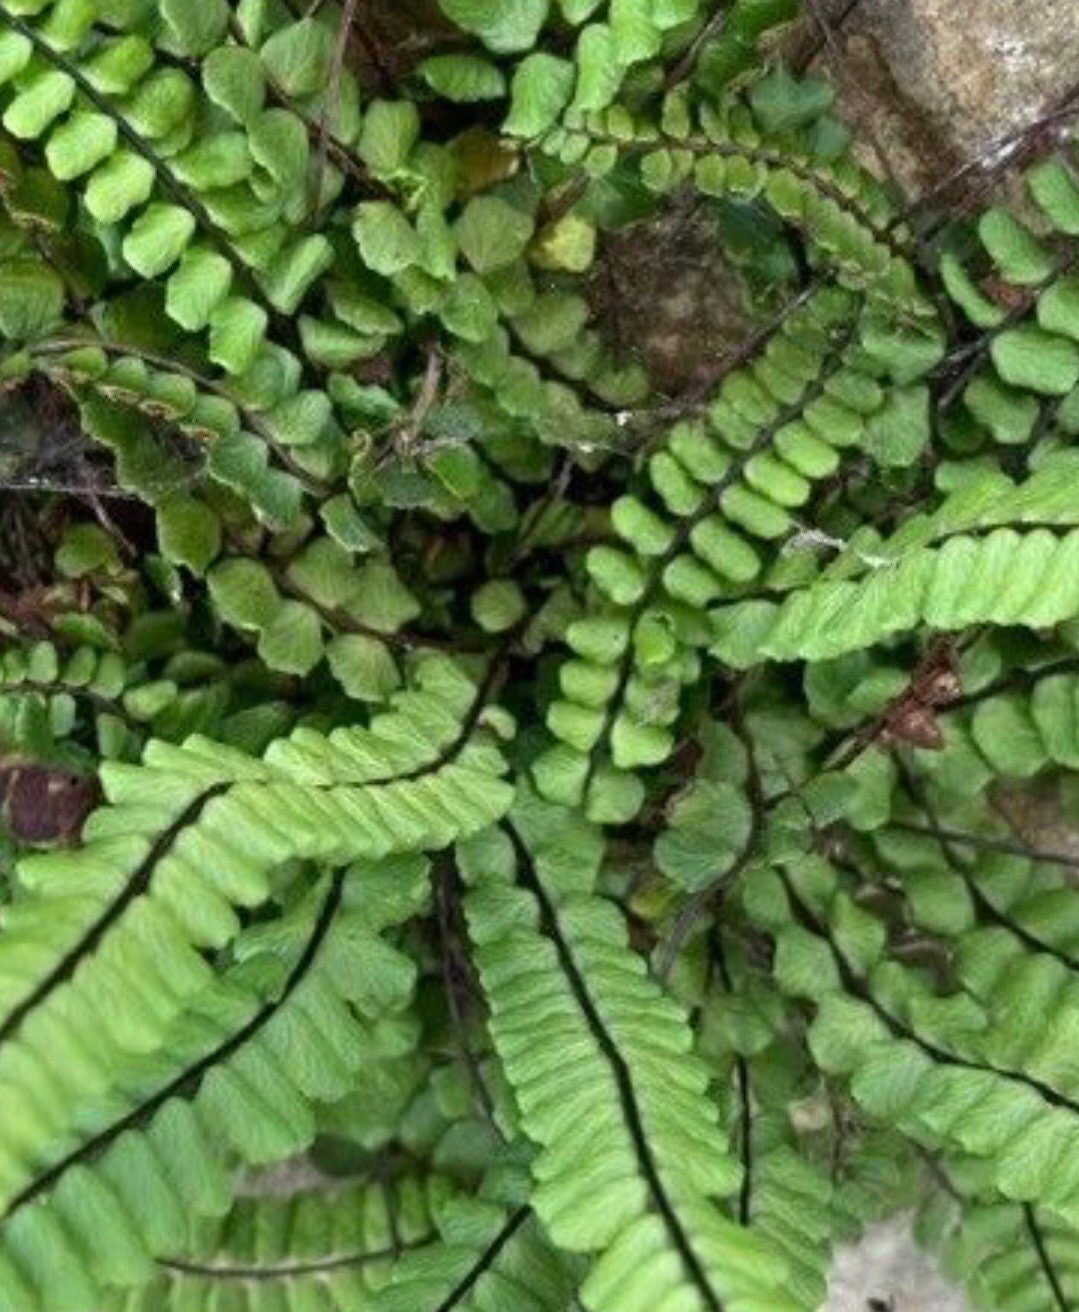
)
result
[(955, 1064), (486, 1258), (631, 1158), (86, 706), (335, 1243), (976, 561), (1009, 1257), (579, 821), (186, 842)]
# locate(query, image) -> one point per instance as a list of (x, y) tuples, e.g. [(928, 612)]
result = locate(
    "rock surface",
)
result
[(887, 1271), (942, 81)]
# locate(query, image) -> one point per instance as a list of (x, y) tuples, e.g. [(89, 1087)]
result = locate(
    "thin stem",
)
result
[(44, 484), (984, 843), (687, 65), (830, 45), (1000, 153), (697, 904), (745, 1099), (1030, 1219), (457, 977), (333, 92)]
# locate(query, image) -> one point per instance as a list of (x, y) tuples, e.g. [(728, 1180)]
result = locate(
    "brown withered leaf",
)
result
[(45, 804), (1005, 294), (939, 680), (915, 724)]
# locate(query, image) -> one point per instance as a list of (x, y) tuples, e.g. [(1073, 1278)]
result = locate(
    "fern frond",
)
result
[(195, 826), (320, 604), (234, 1074), (731, 49), (631, 1162), (1018, 732), (737, 152), (39, 700), (764, 953), (191, 835), (963, 1070), (1007, 1257), (714, 496), (800, 1188), (95, 705), (611, 39), (163, 233), (487, 1259), (983, 503), (1018, 290), (204, 199), (1005, 916), (783, 1194), (1008, 577), (331, 1247)]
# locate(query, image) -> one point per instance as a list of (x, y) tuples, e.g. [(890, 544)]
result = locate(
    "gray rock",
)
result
[(887, 1269), (942, 82)]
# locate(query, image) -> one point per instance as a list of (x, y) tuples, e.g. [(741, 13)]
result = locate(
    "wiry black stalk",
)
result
[(316, 1266), (485, 1262), (1037, 1238)]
